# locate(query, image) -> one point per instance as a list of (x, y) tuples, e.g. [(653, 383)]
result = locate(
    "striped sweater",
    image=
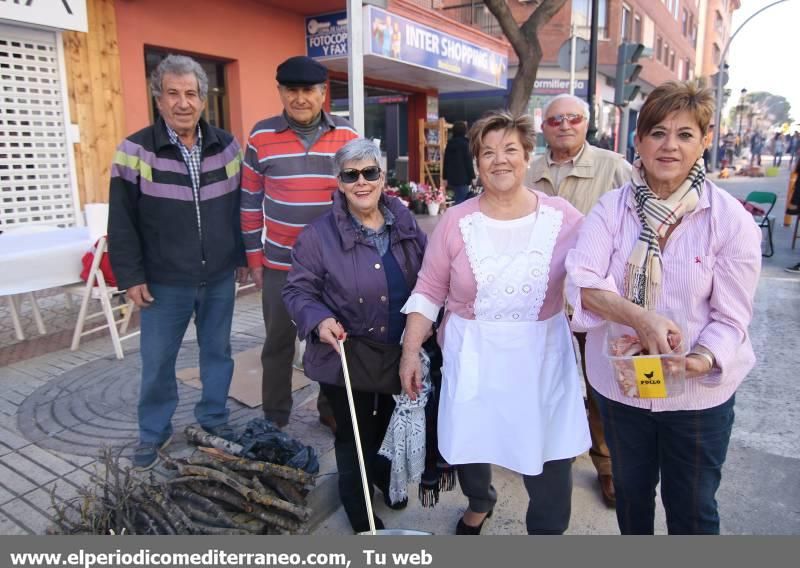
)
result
[(158, 230), (285, 186)]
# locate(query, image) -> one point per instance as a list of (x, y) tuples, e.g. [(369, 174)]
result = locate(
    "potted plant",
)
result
[(433, 198)]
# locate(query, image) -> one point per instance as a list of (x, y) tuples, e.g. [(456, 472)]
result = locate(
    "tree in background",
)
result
[(773, 108), (524, 39)]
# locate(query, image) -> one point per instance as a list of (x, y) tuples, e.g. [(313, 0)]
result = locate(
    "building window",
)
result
[(665, 61), (688, 68), (680, 69), (672, 61), (626, 23), (582, 17), (718, 22), (685, 23), (659, 48), (677, 10), (637, 29), (715, 54), (649, 34)]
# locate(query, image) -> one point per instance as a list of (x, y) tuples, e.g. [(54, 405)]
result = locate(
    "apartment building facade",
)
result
[(681, 37)]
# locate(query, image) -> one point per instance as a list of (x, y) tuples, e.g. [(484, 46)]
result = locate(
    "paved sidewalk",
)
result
[(58, 409)]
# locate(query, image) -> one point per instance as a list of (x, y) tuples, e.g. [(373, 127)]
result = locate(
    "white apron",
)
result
[(511, 393)]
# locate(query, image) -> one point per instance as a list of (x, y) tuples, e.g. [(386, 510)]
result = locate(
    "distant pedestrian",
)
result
[(794, 148), (756, 147), (458, 170), (778, 147)]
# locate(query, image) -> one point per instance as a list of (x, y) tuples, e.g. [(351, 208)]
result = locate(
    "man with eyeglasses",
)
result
[(580, 173), (287, 182)]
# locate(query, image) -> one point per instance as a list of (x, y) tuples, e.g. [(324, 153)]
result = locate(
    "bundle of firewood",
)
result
[(215, 491)]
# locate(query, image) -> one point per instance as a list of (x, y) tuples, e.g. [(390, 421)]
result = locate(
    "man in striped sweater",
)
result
[(287, 182)]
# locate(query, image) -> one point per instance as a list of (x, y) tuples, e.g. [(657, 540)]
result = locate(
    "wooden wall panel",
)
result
[(95, 93)]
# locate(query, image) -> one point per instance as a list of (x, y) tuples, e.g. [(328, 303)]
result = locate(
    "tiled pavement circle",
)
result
[(94, 405)]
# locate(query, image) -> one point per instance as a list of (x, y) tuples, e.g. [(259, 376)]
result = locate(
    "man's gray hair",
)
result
[(563, 96), (356, 151), (178, 65)]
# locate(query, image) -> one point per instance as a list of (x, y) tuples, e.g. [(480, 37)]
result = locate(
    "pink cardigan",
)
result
[(446, 274)]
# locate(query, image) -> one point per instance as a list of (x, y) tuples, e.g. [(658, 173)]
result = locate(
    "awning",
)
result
[(401, 50)]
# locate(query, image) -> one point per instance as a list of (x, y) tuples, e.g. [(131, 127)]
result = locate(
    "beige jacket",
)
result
[(595, 172)]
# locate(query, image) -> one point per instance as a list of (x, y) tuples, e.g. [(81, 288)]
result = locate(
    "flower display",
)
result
[(429, 194)]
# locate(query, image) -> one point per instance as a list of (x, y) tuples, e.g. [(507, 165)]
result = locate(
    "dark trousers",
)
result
[(461, 192), (601, 457), (549, 494), (685, 448), (163, 326), (278, 352), (373, 412)]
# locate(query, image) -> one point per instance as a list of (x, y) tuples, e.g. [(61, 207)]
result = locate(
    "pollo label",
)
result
[(650, 377)]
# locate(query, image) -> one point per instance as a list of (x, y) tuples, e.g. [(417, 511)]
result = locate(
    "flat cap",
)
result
[(301, 70)]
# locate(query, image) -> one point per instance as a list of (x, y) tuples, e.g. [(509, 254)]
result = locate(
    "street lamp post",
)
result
[(740, 109)]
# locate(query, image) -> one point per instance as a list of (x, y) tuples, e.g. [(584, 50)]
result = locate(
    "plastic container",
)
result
[(645, 376)]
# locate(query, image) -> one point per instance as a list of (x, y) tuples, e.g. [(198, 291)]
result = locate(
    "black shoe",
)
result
[(399, 506), (463, 528), (793, 269)]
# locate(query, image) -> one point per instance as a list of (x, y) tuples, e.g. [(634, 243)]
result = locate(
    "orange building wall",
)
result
[(255, 37)]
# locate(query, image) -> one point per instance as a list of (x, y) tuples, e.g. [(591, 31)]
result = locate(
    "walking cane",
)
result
[(361, 465)]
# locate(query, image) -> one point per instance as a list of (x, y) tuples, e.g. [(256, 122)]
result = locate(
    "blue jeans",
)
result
[(686, 448), (460, 192), (164, 323)]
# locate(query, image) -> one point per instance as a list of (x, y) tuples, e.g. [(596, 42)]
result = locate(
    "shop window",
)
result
[(216, 112)]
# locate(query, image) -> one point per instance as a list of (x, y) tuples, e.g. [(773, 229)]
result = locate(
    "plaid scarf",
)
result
[(643, 270)]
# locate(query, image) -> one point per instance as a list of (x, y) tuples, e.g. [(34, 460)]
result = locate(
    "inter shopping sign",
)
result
[(395, 37), (56, 14)]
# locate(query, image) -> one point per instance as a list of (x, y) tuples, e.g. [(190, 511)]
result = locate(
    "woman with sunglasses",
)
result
[(511, 394), (668, 242), (352, 270)]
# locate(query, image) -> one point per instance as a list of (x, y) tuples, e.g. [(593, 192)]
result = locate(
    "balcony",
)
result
[(474, 14)]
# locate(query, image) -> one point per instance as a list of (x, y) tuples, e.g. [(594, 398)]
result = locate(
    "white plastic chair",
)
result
[(97, 289)]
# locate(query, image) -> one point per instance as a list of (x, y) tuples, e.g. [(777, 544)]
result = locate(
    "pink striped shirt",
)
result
[(711, 264)]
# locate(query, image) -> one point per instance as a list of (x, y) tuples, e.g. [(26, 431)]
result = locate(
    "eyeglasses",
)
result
[(573, 119), (350, 175)]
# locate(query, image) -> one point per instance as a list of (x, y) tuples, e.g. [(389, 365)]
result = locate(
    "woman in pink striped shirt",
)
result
[(668, 242)]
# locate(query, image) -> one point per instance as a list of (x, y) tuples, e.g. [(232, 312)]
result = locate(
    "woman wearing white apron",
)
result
[(511, 394)]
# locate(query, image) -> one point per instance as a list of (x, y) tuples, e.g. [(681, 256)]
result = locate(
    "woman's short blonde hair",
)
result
[(676, 96), (502, 120)]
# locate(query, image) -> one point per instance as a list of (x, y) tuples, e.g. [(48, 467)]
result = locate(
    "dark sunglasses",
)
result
[(573, 119), (350, 175)]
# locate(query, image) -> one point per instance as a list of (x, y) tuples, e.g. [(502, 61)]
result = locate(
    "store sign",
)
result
[(558, 86), (326, 36), (395, 37), (57, 14)]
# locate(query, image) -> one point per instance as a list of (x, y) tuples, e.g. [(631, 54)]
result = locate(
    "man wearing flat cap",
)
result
[(287, 182)]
